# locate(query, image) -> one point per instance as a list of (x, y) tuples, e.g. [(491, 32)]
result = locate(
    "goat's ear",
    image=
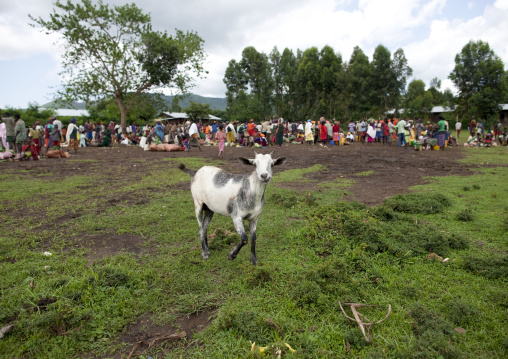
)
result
[(279, 161), (246, 161)]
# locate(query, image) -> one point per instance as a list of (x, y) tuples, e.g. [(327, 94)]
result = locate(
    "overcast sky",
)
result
[(431, 32)]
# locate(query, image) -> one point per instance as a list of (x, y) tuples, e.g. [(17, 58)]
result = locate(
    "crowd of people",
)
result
[(28, 143)]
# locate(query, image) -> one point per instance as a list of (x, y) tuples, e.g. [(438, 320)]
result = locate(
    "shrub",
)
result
[(493, 268), (287, 201), (418, 203), (306, 292), (461, 312), (434, 335), (465, 215), (249, 325)]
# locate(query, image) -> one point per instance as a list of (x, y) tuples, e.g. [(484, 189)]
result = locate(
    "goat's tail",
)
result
[(190, 172)]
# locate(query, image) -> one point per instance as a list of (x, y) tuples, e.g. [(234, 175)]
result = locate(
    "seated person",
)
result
[(488, 139)]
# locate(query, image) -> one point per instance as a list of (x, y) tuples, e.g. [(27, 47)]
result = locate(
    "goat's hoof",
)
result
[(205, 257), (231, 257)]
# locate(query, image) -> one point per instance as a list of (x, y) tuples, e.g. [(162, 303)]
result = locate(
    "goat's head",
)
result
[(263, 164)]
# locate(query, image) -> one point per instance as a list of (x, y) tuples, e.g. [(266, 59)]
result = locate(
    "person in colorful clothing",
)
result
[(72, 136), (323, 132), (401, 132), (221, 139), (309, 136), (279, 133), (56, 135), (441, 133), (20, 133), (335, 130)]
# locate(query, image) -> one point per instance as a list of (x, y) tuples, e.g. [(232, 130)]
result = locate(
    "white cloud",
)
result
[(501, 4), (429, 37), (435, 55)]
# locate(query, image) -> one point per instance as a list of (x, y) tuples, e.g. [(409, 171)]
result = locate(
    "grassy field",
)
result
[(314, 251)]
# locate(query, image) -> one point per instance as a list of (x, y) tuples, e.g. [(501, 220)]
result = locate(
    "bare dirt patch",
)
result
[(144, 334), (394, 169), (105, 245)]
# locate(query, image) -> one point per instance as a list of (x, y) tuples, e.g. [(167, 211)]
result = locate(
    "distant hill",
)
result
[(216, 103)]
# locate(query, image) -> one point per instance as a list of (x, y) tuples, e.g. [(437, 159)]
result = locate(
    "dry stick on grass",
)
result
[(272, 323), (179, 335), (357, 319)]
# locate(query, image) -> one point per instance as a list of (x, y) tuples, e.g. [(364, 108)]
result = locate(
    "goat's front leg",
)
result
[(238, 222), (252, 230)]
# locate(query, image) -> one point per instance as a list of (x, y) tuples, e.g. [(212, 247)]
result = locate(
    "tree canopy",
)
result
[(315, 83), (112, 52), (480, 77)]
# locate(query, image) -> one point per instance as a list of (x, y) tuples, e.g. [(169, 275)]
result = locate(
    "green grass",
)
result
[(364, 173), (486, 156), (314, 250), (296, 175)]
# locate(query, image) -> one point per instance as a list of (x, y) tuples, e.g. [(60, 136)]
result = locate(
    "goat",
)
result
[(237, 196)]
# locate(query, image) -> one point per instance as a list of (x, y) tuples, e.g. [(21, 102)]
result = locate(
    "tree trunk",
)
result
[(123, 114)]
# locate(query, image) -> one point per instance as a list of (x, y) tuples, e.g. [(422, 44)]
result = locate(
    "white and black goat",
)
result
[(237, 196)]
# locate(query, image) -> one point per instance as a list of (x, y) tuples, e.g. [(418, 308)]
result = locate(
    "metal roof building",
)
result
[(67, 112), (182, 116)]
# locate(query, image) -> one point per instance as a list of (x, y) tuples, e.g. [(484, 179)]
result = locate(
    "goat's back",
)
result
[(220, 190)]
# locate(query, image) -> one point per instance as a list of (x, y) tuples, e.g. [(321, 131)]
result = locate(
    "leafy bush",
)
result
[(389, 232), (287, 201), (492, 268), (248, 324), (434, 335), (306, 292), (465, 215), (461, 312), (257, 276), (418, 203), (109, 277)]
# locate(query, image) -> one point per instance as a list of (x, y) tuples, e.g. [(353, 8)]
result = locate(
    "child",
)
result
[(82, 139), (185, 143), (56, 136), (221, 138)]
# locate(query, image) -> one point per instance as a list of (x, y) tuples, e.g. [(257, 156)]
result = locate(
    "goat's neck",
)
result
[(257, 187)]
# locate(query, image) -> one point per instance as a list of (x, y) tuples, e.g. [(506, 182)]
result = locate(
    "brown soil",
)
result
[(144, 333), (394, 169)]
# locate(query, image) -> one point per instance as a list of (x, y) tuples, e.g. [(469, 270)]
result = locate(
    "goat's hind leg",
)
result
[(204, 216), (243, 238), (252, 231)]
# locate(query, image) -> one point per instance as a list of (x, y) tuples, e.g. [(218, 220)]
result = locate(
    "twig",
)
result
[(372, 214), (364, 327), (272, 323), (6, 329), (179, 335), (133, 348)]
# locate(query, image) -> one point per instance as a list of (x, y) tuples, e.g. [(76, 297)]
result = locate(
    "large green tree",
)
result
[(389, 78), (358, 84), (198, 111), (112, 52), (418, 102), (480, 78)]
